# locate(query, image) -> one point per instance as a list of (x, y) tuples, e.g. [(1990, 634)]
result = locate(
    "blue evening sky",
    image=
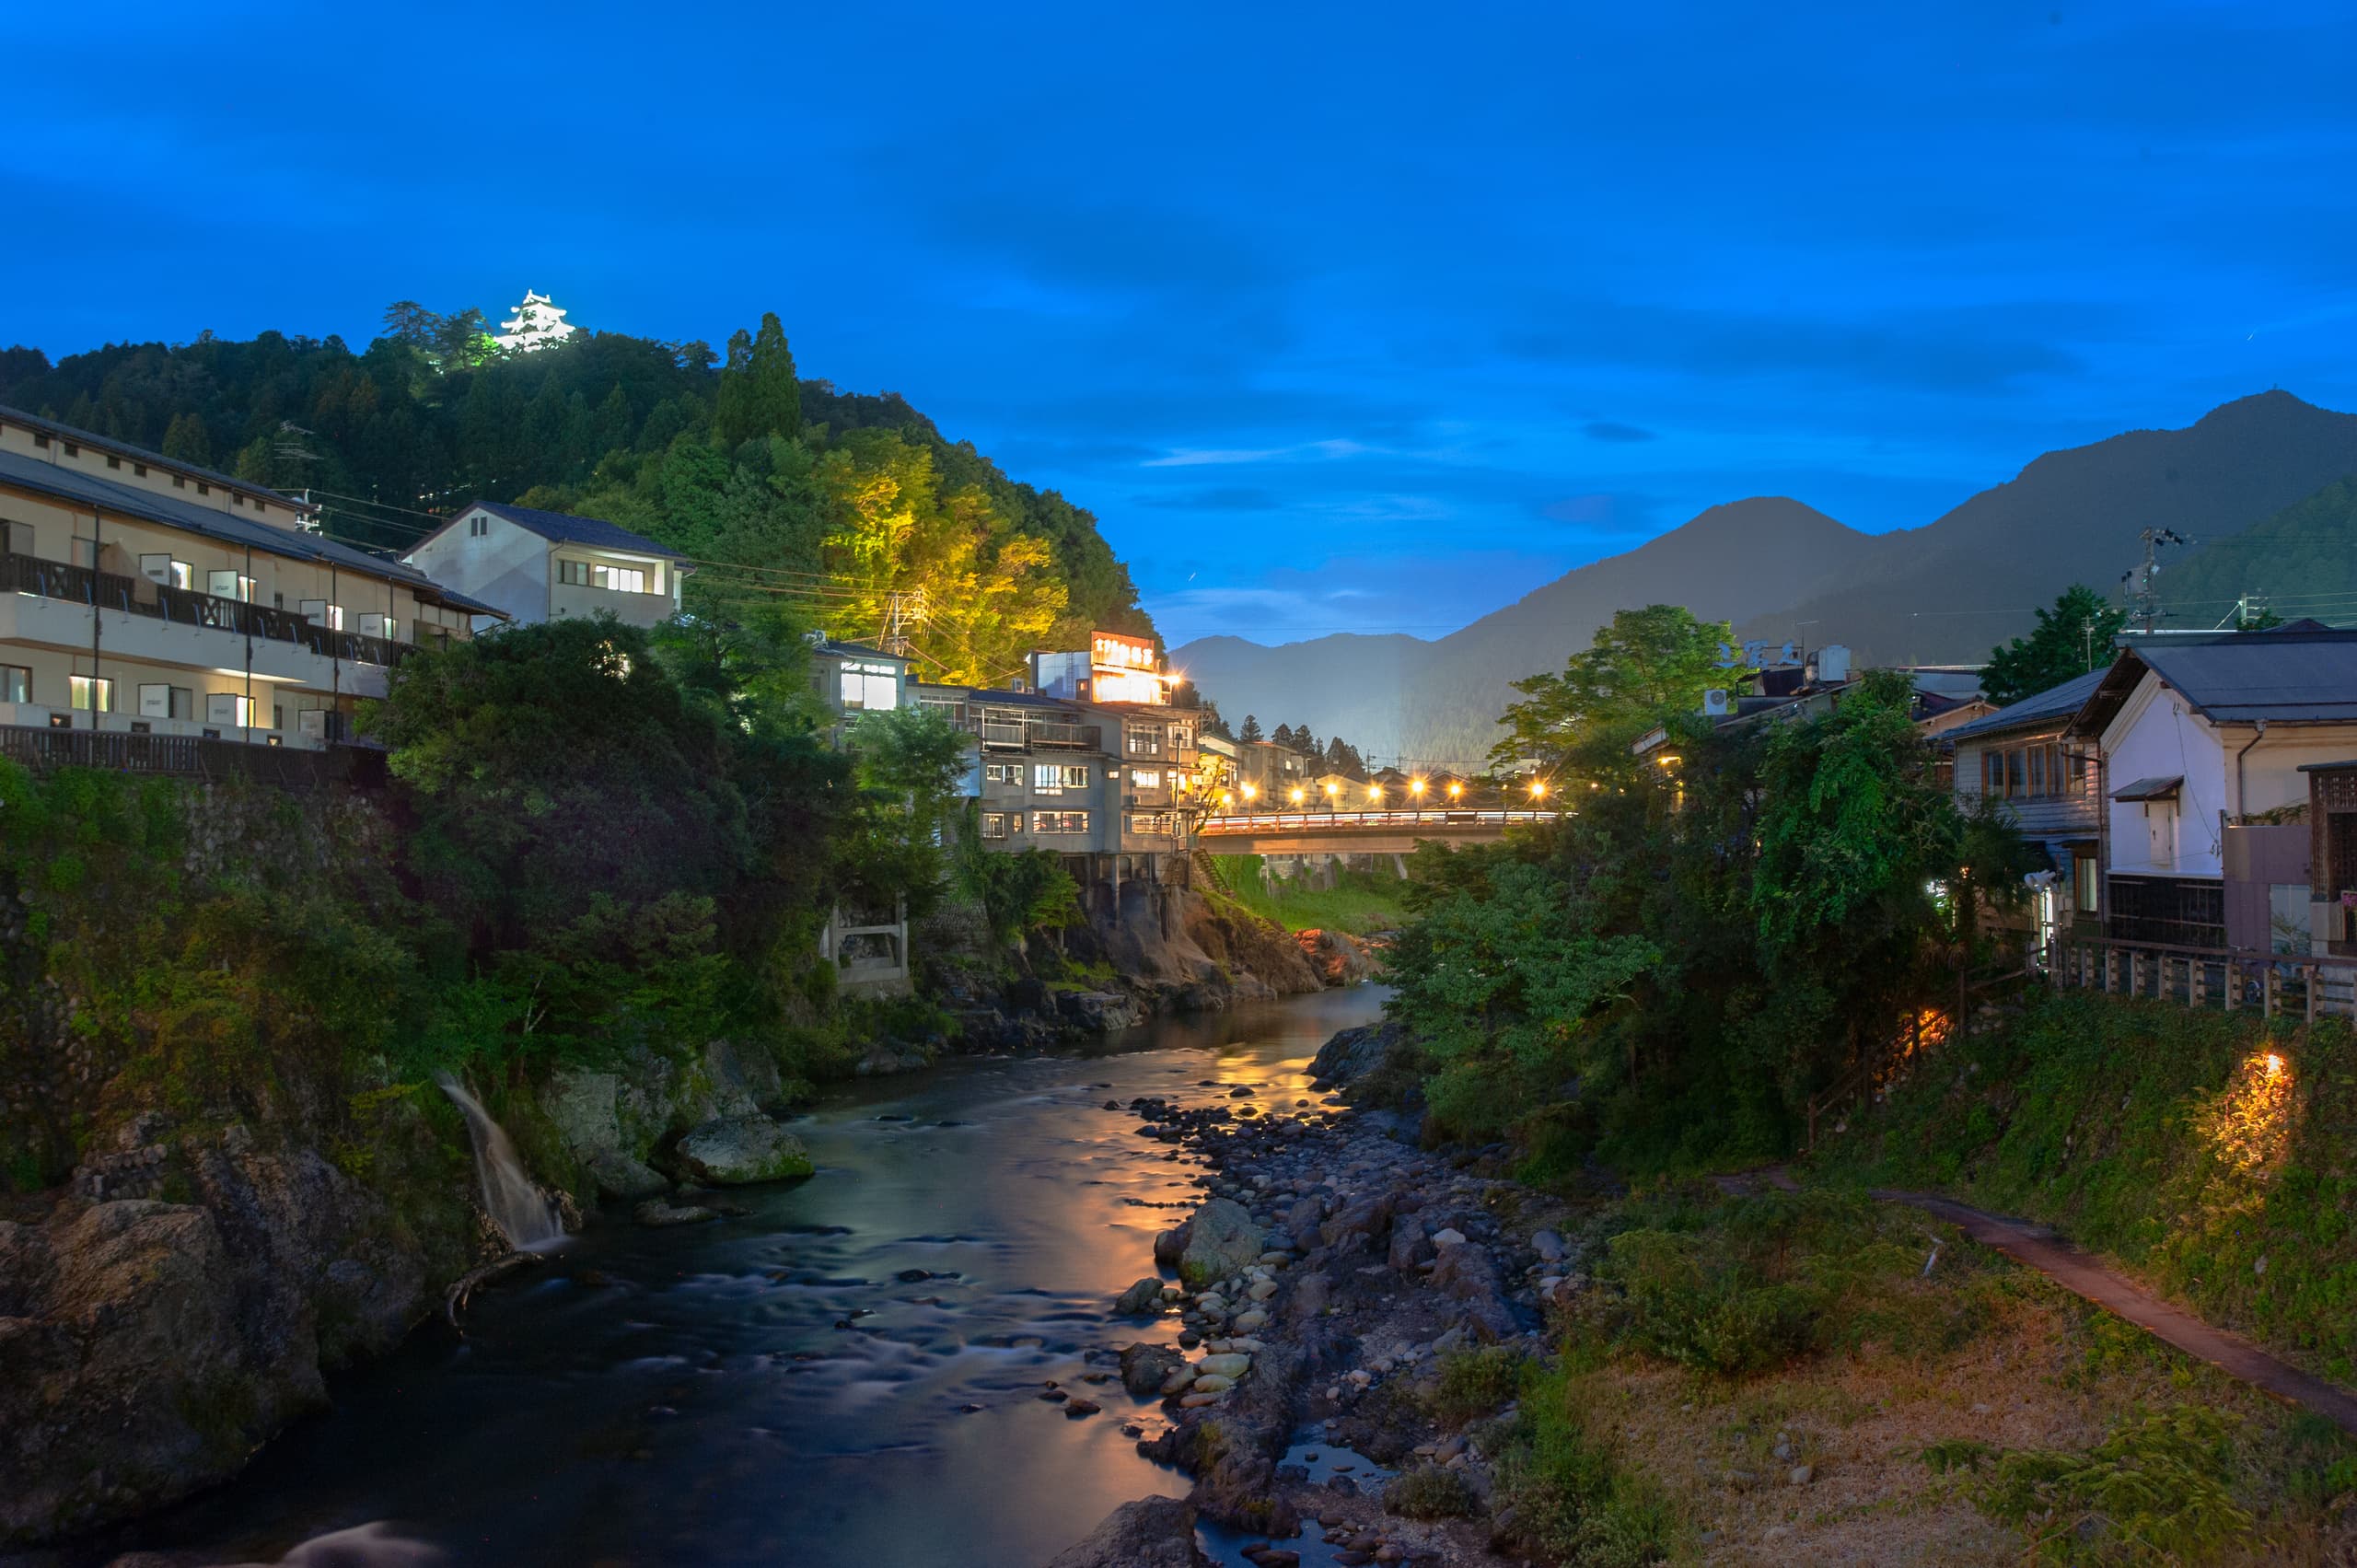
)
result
[(1339, 318)]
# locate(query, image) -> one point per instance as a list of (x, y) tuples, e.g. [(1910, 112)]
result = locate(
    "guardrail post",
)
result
[(2310, 974), (2233, 991), (2270, 993), (2196, 981)]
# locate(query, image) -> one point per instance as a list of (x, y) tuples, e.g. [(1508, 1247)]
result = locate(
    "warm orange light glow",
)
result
[(1296, 798), (1539, 789), (1225, 798), (1415, 786), (2273, 1063), (1454, 790), (1251, 790), (1333, 789)]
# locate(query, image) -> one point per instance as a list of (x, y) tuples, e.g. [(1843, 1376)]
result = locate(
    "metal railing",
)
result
[(185, 606), (1296, 821), (2227, 977), (190, 756), (1038, 735)]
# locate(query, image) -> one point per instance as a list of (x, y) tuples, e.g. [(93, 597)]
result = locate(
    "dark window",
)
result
[(2037, 769), (202, 488), (39, 440), (16, 683), (72, 450), (179, 484), (139, 469), (113, 461)]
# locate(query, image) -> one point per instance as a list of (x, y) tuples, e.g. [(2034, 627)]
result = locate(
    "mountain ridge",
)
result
[(1945, 590)]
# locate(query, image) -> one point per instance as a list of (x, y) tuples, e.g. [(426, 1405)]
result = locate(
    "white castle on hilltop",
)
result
[(536, 324)]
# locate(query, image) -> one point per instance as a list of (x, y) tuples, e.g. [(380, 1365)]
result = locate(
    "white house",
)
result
[(534, 565), (2202, 738)]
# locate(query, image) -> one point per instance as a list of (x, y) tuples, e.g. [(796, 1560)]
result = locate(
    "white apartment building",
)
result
[(143, 595), (528, 565)]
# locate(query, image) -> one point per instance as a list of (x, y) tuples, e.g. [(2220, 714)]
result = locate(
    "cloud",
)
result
[(1214, 498), (1607, 430), (1197, 457), (1974, 348)]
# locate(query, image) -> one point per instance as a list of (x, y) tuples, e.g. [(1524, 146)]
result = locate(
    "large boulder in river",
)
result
[(1354, 1053), (1169, 1246), (1145, 1367), (742, 1149), (1155, 1532), (1221, 1241), (1339, 958), (1144, 1297)]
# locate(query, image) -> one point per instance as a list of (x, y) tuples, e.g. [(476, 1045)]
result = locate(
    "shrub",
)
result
[(1431, 1492), (1473, 1383), (2153, 1491), (1573, 1503)]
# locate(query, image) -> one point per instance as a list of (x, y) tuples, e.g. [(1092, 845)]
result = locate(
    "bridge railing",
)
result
[(1265, 822)]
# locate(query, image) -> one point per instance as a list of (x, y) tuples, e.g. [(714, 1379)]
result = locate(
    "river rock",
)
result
[(1213, 1383), (1222, 1240), (1155, 1532), (661, 1211), (1145, 1367), (619, 1175), (1169, 1246), (743, 1149), (1410, 1244), (1144, 1297), (1354, 1053), (1230, 1365), (1245, 1322)]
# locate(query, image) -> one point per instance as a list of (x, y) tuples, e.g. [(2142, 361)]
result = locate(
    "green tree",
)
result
[(759, 394), (2072, 637), (186, 439), (907, 764), (1646, 667), (1251, 730)]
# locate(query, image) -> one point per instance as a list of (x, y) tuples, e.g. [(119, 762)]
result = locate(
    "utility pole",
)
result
[(2145, 595)]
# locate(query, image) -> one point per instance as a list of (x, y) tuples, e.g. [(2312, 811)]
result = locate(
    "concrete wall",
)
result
[(507, 565)]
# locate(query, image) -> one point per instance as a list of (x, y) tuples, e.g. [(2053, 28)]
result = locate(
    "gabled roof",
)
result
[(562, 527), (108, 498), (92, 439), (834, 649), (2290, 675), (2053, 707)]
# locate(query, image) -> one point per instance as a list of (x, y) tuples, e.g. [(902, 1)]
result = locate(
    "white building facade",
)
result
[(532, 565)]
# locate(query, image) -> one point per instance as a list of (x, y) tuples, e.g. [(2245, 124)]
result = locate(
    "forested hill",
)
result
[(839, 504)]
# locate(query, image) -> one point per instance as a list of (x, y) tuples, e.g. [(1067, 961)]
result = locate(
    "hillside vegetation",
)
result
[(841, 506), (2209, 1152)]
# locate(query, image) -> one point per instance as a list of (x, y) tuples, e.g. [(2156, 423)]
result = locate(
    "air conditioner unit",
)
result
[(1714, 701)]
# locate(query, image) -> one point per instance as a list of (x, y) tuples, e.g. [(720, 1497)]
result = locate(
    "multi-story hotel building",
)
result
[(141, 594)]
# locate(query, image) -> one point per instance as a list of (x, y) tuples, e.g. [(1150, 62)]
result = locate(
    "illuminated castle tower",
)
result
[(536, 324)]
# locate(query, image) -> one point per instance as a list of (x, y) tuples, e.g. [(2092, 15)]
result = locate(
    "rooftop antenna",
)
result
[(2144, 594)]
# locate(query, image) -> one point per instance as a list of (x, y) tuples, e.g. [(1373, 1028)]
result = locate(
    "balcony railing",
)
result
[(2224, 978), (190, 756), (185, 607)]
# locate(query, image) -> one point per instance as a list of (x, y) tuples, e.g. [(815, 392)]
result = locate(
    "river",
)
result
[(770, 1388)]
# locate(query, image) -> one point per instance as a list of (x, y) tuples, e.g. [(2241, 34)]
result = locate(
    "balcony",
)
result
[(154, 601), (190, 756)]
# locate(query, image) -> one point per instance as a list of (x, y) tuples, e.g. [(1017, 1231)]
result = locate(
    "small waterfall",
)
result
[(522, 1211)]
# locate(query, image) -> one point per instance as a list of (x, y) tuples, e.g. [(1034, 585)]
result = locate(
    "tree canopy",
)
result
[(2072, 637), (1645, 667)]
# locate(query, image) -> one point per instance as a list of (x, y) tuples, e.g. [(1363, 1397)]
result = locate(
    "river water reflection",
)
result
[(771, 1389)]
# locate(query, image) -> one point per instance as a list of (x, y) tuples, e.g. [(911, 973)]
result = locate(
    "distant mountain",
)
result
[(1942, 593), (1436, 703), (1949, 591), (2302, 561)]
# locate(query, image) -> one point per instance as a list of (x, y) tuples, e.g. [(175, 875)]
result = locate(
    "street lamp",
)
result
[(1297, 794), (1455, 789), (1375, 792), (1416, 786), (1249, 791), (1539, 789)]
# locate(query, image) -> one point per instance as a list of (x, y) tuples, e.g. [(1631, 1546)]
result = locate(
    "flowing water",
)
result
[(520, 1210), (785, 1388)]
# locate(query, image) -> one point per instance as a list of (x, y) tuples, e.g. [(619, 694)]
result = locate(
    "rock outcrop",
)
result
[(742, 1149), (1339, 958), (1155, 1532), (1220, 1239)]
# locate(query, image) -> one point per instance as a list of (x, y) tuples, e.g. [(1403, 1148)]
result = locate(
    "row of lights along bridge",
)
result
[(1416, 791)]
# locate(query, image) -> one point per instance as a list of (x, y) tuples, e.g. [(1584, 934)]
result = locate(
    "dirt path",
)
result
[(2082, 1275)]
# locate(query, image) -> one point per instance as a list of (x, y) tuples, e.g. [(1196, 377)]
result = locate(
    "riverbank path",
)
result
[(2090, 1279)]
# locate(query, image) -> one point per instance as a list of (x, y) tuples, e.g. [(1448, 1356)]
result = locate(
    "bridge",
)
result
[(1354, 833)]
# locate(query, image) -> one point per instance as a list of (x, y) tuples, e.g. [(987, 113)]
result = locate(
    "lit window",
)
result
[(1059, 823), (229, 710), (1054, 778), (1146, 778), (90, 692), (869, 690), (622, 579)]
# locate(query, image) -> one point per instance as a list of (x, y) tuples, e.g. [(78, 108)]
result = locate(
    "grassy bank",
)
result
[(1815, 1377), (1361, 902), (2209, 1152)]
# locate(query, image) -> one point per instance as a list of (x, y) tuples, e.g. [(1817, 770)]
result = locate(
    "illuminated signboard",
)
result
[(1111, 650)]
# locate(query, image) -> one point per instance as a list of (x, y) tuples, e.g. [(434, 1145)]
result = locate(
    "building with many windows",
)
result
[(148, 596), (531, 566)]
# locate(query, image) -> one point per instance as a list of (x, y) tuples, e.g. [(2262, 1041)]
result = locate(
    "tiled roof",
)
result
[(2302, 677), (91, 438), (2049, 707), (77, 489), (565, 529)]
